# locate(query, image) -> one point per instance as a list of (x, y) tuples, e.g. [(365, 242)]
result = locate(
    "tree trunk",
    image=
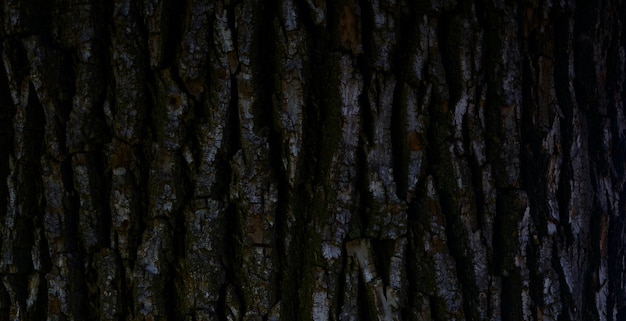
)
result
[(312, 160)]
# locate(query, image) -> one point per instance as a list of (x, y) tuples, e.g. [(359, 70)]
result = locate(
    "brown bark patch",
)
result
[(255, 228), (349, 28), (122, 156), (54, 306), (320, 4), (415, 141), (444, 107), (195, 86), (603, 234)]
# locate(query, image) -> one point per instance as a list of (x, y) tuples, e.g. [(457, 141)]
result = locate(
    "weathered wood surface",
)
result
[(312, 160)]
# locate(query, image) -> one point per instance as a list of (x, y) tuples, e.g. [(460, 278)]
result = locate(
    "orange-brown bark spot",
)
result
[(54, 210), (321, 4), (444, 107), (54, 306), (539, 314), (245, 90), (121, 156), (396, 208), (255, 228), (174, 100), (79, 159), (437, 245), (603, 234), (349, 30), (415, 141), (195, 86), (233, 61)]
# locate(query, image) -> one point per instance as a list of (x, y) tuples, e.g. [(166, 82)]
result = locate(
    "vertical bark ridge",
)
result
[(255, 187), (206, 216), (289, 97), (307, 159), (615, 301)]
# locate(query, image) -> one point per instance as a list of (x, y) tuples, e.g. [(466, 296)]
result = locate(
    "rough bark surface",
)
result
[(312, 160)]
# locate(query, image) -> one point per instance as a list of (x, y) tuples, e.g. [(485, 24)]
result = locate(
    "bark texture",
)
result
[(312, 160)]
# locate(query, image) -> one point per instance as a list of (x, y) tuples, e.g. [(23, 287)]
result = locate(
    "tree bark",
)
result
[(312, 160)]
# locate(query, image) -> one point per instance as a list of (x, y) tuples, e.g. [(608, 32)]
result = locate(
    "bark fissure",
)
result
[(309, 159)]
